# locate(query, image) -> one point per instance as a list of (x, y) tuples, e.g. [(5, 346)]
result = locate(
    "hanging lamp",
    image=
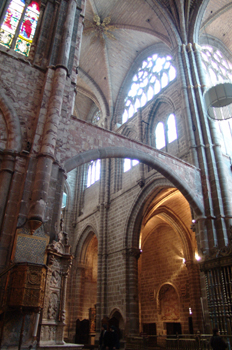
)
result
[(218, 96)]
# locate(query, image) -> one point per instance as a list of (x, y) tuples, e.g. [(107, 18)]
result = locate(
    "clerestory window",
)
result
[(153, 75), (160, 136), (19, 24), (165, 133), (93, 174), (129, 163), (217, 68)]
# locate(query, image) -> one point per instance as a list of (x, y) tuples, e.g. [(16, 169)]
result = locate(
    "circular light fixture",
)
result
[(218, 96)]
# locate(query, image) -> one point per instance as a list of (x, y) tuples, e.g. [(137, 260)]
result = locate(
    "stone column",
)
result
[(185, 83), (194, 291), (47, 152), (6, 172), (216, 148), (132, 322), (217, 210), (101, 308)]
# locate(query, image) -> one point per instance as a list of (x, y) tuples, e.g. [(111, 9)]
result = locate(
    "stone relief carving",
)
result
[(53, 307), (168, 303), (55, 279), (58, 264)]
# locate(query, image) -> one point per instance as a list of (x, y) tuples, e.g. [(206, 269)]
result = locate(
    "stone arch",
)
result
[(14, 137), (134, 219), (97, 91), (191, 195), (216, 43), (117, 314), (196, 21), (130, 132), (83, 243), (163, 14), (158, 294), (179, 227)]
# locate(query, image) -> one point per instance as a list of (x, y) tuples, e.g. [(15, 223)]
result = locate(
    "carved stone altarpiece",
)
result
[(53, 317)]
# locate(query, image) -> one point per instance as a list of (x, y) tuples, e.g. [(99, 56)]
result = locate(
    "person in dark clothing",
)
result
[(113, 343), (216, 341), (104, 337)]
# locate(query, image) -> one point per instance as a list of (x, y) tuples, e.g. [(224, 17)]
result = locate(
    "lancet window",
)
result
[(155, 73), (19, 24), (165, 133), (93, 174), (129, 163)]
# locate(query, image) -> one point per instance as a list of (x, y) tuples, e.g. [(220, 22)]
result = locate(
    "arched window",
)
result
[(129, 163), (166, 132), (153, 75), (218, 69), (19, 24), (171, 125), (94, 169), (160, 136), (64, 200)]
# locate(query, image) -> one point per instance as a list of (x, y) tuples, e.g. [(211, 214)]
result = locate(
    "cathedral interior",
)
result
[(115, 170)]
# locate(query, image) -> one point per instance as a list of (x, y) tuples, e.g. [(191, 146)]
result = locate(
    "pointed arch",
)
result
[(14, 136), (83, 243), (178, 226)]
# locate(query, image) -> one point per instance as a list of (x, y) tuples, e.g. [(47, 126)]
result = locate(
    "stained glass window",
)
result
[(153, 75), (19, 24)]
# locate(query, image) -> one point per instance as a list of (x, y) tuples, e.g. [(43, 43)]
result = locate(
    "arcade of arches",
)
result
[(115, 180)]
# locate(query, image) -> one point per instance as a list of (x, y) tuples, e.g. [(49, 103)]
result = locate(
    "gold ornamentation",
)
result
[(99, 28)]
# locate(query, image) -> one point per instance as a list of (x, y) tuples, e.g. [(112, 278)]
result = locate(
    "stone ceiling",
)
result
[(131, 26)]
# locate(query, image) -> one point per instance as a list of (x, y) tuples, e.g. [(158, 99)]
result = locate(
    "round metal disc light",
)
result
[(218, 96)]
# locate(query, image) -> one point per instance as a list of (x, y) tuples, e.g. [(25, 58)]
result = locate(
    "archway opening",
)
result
[(167, 245), (86, 293)]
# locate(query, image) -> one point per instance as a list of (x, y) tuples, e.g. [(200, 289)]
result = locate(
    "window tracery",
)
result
[(218, 69), (93, 173), (19, 24), (153, 75)]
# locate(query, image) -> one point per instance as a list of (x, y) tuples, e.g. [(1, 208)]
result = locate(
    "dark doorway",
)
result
[(82, 332), (150, 329), (190, 325), (173, 328)]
